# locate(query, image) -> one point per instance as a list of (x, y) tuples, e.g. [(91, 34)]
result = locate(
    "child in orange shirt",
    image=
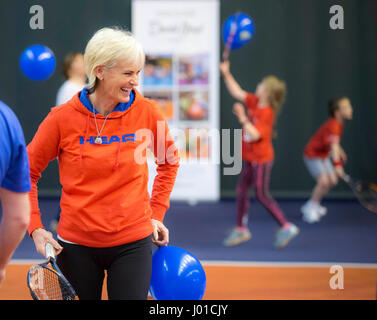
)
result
[(257, 153), (324, 157)]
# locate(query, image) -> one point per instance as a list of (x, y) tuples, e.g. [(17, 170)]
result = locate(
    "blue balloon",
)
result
[(176, 275), (37, 62), (242, 28)]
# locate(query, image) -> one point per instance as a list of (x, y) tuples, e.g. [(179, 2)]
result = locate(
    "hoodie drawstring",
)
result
[(85, 137), (118, 151)]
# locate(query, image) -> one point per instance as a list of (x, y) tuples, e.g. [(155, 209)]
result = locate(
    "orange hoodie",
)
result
[(105, 200)]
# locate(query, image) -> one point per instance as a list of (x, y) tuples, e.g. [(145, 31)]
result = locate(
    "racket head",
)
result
[(366, 193), (47, 283)]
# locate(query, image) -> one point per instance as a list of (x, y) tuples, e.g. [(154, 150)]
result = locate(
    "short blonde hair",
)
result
[(107, 46)]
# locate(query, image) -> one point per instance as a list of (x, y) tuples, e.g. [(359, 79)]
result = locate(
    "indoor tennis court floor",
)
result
[(333, 259)]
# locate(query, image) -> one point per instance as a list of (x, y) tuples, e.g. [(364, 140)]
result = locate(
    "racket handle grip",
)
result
[(226, 54), (50, 252)]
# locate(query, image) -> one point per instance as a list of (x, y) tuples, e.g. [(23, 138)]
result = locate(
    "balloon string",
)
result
[(232, 33)]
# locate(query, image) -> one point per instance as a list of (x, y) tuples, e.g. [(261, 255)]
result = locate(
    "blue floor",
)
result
[(348, 233)]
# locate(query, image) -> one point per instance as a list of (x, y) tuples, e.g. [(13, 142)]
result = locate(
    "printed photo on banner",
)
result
[(164, 101), (158, 70), (193, 69), (192, 143), (193, 105)]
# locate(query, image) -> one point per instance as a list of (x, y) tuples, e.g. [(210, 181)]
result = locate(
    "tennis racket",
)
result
[(46, 281), (229, 40), (365, 192)]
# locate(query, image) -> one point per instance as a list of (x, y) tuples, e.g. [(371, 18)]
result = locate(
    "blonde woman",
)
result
[(108, 220), (257, 153)]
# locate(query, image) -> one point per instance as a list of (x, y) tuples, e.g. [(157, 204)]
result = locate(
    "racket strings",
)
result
[(48, 285), (373, 186), (367, 194)]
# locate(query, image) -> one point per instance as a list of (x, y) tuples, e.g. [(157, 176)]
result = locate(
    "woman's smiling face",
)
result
[(119, 80)]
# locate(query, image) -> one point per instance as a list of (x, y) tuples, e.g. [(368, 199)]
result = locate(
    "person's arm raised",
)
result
[(233, 87)]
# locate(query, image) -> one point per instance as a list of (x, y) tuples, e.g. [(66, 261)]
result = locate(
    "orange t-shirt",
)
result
[(319, 145), (263, 120)]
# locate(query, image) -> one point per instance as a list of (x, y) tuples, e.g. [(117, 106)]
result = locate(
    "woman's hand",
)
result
[(160, 233), (41, 237)]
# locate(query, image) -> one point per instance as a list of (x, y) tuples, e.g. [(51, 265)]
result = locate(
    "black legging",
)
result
[(128, 266)]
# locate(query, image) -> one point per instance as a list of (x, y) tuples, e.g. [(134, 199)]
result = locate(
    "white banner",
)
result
[(181, 42)]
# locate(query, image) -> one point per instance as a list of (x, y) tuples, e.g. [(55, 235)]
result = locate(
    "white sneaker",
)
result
[(321, 210), (310, 214)]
